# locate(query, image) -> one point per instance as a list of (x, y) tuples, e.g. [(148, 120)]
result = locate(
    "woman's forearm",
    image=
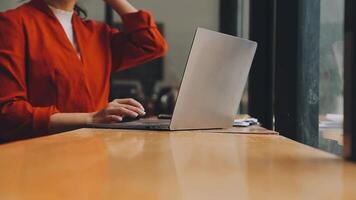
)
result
[(113, 112), (122, 7), (60, 122)]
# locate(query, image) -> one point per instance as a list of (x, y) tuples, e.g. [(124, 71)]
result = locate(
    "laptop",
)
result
[(212, 86)]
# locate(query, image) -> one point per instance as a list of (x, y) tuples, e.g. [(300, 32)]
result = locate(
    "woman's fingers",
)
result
[(113, 118), (118, 109), (132, 108), (131, 102), (121, 111), (140, 111)]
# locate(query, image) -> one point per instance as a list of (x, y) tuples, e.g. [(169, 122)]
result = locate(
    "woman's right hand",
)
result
[(117, 110), (122, 7)]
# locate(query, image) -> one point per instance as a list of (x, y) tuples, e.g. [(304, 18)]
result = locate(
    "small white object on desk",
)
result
[(245, 122)]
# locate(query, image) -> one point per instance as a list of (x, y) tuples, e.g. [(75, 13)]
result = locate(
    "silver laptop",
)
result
[(212, 85)]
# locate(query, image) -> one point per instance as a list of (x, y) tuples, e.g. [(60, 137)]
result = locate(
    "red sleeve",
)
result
[(140, 42), (18, 118)]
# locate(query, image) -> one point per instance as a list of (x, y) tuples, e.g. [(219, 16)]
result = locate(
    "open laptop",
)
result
[(212, 86)]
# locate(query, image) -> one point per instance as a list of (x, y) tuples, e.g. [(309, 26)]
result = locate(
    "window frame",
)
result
[(261, 79), (350, 81)]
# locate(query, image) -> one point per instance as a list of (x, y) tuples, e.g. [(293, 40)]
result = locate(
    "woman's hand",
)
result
[(117, 110), (122, 7), (114, 112)]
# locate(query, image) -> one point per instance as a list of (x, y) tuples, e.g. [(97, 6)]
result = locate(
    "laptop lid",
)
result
[(213, 81)]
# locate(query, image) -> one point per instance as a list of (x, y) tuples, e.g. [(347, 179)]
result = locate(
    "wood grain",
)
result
[(196, 165)]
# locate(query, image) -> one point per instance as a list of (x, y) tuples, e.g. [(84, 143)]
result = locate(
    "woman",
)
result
[(55, 67)]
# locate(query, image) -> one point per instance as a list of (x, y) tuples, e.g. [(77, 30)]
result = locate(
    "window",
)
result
[(331, 75), (308, 79)]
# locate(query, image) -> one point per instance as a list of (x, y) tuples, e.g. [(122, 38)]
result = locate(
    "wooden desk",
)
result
[(113, 164)]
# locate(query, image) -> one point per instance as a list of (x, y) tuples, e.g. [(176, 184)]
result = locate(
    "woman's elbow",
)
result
[(154, 48), (161, 48)]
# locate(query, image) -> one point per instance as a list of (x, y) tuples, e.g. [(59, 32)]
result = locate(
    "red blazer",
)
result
[(41, 74)]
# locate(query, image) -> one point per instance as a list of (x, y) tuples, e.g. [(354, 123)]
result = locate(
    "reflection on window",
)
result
[(331, 75)]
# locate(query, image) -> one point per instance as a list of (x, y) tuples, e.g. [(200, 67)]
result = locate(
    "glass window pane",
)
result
[(331, 75)]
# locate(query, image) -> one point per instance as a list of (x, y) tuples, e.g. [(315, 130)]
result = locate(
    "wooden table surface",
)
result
[(196, 165)]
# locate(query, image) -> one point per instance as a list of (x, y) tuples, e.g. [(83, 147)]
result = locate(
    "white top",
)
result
[(65, 18)]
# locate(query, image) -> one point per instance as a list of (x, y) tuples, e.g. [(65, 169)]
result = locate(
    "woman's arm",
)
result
[(114, 112), (19, 119), (122, 7), (141, 41)]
